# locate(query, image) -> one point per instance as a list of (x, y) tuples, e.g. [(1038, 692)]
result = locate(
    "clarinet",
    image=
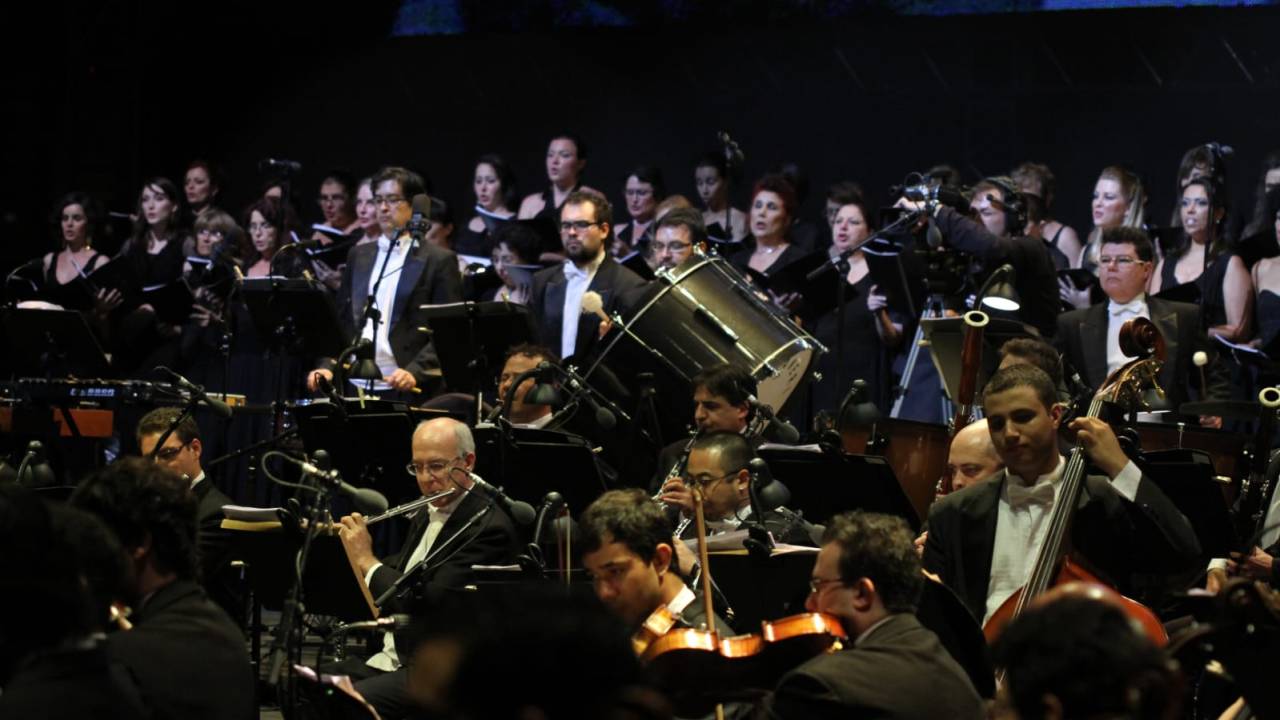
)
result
[(677, 471)]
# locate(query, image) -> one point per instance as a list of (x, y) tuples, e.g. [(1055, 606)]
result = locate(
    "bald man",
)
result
[(972, 457)]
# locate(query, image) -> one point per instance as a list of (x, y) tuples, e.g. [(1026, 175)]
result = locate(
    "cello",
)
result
[(1139, 338)]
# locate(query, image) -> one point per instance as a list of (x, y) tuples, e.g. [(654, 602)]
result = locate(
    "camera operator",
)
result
[(990, 240)]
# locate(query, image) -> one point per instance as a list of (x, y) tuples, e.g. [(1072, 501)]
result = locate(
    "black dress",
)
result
[(864, 356), (67, 294), (1213, 304)]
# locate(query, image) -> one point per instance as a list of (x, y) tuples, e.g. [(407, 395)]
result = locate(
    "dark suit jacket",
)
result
[(1118, 537), (899, 670), (1035, 277), (1082, 340), (188, 658), (215, 547), (492, 540), (429, 277), (72, 685), (547, 302)]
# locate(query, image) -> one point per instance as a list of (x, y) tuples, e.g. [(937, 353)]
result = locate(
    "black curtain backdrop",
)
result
[(102, 96)]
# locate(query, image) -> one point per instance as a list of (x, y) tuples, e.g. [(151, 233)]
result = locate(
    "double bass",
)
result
[(1141, 339)]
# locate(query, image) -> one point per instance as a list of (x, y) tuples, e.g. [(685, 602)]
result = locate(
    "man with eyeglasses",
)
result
[(718, 464), (677, 234), (566, 323), (181, 453), (868, 576), (441, 535), (398, 276), (1089, 338)]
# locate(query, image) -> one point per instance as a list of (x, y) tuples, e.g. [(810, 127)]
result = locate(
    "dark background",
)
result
[(100, 96)]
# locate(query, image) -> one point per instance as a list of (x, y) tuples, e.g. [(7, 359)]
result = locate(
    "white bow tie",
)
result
[(572, 271), (1021, 496), (1133, 307)]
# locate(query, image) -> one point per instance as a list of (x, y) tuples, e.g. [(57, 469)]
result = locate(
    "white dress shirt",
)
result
[(1022, 521), (578, 280), (1117, 314), (388, 660), (384, 301)]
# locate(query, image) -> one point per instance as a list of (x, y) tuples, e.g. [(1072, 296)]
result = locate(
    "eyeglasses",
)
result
[(673, 247), (706, 481), (816, 584), (435, 467), (1122, 261), (579, 225), (169, 454), (391, 200)]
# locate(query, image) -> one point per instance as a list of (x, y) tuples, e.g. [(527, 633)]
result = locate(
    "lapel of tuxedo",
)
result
[(979, 539), (1093, 343), (553, 305), (445, 542), (415, 263), (416, 530)]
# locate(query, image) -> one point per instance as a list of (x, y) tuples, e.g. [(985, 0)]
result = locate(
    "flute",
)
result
[(409, 506)]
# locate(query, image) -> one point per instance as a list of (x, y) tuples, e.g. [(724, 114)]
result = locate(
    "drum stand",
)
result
[(932, 309)]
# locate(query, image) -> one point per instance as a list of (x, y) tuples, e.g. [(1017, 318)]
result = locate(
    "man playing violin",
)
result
[(868, 576), (983, 540), (444, 453), (629, 551)]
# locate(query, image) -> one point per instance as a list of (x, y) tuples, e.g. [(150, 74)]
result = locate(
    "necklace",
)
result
[(767, 250)]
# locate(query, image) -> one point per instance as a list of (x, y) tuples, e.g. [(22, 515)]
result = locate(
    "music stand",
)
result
[(1187, 478), (53, 343), (472, 338), (946, 340), (293, 315), (369, 442), (330, 583), (825, 482), (528, 463)]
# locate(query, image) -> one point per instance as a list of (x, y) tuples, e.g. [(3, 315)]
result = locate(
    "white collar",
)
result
[(681, 601), (1051, 477), (384, 242), (196, 481), (571, 269), (1134, 306), (863, 635)]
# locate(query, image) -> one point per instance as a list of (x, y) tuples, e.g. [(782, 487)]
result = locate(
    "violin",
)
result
[(699, 669), (1139, 338)]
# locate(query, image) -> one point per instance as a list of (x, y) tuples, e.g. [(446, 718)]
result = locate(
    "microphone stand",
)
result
[(371, 312), (414, 578)]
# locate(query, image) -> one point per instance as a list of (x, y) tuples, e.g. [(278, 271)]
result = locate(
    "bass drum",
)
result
[(702, 313)]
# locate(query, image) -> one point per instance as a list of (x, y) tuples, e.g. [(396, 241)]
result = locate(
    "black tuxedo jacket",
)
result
[(492, 540), (899, 670), (547, 302), (1117, 537), (187, 657), (429, 277), (1082, 340), (215, 547)]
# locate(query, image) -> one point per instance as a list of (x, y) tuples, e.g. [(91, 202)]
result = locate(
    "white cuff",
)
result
[(1126, 481), (368, 577), (1217, 564)]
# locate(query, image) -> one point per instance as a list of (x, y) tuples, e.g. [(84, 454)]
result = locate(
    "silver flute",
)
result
[(410, 506)]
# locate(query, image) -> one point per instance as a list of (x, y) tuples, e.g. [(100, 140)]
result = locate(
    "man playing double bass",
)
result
[(984, 539)]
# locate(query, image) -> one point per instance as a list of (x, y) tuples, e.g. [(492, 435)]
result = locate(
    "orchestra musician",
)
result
[(558, 291), (720, 404), (406, 275), (628, 549), (520, 359), (984, 539), (676, 235), (444, 454), (971, 458), (868, 576), (181, 454), (718, 463), (1089, 338), (186, 655)]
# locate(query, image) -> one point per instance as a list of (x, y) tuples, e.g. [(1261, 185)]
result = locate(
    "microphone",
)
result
[(218, 407), (771, 494), (279, 165), (604, 416), (389, 623), (419, 223), (367, 500), (776, 429), (521, 512), (552, 503)]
